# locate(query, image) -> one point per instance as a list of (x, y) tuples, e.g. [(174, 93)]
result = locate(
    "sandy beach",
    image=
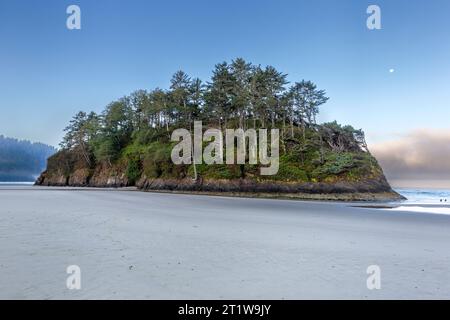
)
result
[(138, 245)]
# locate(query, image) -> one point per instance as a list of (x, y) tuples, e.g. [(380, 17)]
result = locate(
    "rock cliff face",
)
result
[(100, 177), (372, 188)]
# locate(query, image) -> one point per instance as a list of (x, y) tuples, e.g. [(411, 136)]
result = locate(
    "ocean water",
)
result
[(16, 183), (434, 201), (426, 196)]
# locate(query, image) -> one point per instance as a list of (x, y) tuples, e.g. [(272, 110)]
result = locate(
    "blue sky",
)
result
[(48, 72)]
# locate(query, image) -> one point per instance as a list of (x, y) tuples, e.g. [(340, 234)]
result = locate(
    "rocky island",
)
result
[(130, 142)]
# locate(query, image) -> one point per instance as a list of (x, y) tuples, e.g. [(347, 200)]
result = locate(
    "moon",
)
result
[(391, 70)]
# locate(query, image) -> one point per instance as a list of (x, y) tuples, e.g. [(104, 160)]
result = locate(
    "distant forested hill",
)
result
[(22, 160)]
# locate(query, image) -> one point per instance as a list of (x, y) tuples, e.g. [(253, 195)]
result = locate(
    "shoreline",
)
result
[(325, 197), (332, 197)]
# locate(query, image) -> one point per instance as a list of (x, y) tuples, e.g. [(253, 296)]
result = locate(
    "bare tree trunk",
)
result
[(166, 120), (304, 130)]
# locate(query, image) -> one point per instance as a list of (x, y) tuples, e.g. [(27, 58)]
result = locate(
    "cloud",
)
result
[(423, 154)]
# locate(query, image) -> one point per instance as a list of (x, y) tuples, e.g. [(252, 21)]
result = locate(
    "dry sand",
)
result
[(137, 245)]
